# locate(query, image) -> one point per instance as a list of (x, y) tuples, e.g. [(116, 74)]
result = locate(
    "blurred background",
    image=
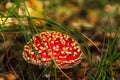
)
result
[(96, 21)]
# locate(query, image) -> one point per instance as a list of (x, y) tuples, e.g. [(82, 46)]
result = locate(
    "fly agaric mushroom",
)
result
[(52, 45)]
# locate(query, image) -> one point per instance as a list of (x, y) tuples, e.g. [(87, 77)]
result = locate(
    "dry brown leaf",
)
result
[(8, 76), (34, 8), (93, 16)]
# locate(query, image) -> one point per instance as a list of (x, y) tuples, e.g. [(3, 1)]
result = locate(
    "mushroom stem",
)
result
[(63, 72), (60, 69)]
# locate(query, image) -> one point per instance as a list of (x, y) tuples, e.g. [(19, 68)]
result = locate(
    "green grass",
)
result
[(104, 67)]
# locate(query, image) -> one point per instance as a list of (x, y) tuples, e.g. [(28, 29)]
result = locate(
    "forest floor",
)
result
[(98, 25)]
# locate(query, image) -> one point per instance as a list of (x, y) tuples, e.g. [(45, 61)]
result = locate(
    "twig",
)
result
[(91, 41)]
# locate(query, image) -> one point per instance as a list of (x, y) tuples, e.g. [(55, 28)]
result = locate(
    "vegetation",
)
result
[(94, 24)]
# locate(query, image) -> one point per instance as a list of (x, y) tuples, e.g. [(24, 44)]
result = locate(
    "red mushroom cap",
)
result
[(63, 49)]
